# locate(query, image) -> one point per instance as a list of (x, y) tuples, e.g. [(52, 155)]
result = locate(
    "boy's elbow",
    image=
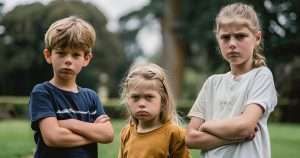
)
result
[(51, 141), (106, 137)]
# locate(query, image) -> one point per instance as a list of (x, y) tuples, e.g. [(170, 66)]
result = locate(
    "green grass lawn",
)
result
[(16, 140)]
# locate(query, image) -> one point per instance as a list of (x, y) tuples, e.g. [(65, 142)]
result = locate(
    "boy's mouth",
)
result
[(67, 71)]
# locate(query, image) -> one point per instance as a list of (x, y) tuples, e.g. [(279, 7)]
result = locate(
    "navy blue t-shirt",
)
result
[(47, 100)]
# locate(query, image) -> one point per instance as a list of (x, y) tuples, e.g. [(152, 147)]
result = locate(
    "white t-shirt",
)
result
[(224, 96)]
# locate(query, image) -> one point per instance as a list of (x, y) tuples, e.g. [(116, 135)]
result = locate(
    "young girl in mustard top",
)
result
[(152, 131)]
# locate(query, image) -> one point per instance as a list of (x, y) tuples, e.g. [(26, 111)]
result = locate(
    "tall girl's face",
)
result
[(144, 102), (237, 44)]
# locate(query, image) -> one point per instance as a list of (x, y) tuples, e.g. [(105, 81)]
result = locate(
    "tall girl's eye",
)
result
[(225, 37), (240, 36)]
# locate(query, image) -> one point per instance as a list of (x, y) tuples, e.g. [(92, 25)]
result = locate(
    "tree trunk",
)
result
[(174, 48)]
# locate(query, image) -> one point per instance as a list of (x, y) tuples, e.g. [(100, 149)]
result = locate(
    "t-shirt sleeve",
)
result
[(198, 108), (263, 92), (98, 105), (178, 146), (40, 106)]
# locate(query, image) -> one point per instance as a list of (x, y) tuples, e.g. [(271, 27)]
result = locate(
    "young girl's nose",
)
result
[(142, 103)]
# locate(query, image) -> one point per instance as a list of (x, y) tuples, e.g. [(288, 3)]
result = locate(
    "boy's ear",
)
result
[(87, 58), (47, 55)]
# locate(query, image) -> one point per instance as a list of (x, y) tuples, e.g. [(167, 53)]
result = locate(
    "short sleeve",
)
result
[(198, 108), (98, 104), (263, 92), (40, 106), (178, 146)]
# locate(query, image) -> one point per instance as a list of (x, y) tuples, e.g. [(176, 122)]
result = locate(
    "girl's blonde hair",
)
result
[(242, 14), (137, 75), (72, 32)]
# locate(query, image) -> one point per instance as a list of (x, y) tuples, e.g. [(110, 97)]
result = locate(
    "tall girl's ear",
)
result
[(258, 36), (47, 55)]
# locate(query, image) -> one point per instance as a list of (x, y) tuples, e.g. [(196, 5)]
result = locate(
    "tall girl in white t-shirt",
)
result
[(229, 116)]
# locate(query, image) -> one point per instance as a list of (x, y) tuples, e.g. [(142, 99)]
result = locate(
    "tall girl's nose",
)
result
[(232, 43)]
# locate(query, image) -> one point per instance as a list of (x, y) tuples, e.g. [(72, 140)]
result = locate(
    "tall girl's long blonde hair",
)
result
[(242, 14)]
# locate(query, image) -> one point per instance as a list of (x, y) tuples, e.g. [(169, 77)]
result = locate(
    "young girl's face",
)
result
[(237, 44), (144, 103)]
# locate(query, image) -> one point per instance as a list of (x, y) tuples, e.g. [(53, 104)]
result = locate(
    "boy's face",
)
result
[(67, 62)]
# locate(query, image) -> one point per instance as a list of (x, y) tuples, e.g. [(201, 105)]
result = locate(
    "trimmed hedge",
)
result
[(17, 107)]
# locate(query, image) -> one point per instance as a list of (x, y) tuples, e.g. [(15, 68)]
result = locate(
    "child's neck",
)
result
[(240, 69), (64, 85), (144, 127)]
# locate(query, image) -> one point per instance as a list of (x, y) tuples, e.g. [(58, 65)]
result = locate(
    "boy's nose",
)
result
[(68, 60)]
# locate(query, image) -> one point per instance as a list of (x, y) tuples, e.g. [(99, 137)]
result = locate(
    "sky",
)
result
[(149, 38)]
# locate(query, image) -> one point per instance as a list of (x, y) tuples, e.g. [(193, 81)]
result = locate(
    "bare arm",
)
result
[(195, 138), (56, 136), (99, 131), (239, 127)]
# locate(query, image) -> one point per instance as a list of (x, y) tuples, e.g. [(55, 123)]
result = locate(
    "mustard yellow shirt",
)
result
[(164, 142)]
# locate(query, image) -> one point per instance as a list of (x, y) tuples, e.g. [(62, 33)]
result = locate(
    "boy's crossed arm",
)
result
[(100, 131), (72, 133)]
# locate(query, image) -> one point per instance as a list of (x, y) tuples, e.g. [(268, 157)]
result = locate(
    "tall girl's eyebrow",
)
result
[(240, 33)]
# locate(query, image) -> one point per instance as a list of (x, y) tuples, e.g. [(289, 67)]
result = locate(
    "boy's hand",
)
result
[(102, 119)]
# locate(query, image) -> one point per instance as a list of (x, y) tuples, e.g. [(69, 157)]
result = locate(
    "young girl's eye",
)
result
[(135, 97), (148, 97)]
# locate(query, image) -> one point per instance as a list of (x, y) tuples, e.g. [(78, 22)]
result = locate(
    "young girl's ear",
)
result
[(47, 55), (87, 58)]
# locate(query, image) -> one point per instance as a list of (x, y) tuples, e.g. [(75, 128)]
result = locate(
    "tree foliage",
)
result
[(21, 61), (281, 30)]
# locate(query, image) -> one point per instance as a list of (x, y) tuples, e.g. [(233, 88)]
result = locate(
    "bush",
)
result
[(17, 107)]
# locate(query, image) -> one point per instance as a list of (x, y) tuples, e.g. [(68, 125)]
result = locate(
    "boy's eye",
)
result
[(76, 55), (60, 53)]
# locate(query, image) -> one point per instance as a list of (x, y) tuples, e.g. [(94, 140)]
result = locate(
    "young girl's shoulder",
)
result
[(175, 129), (125, 131)]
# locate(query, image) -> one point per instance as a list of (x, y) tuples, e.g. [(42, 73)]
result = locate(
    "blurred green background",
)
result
[(184, 45)]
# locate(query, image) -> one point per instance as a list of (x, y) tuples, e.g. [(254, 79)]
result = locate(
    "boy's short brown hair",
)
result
[(72, 32)]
